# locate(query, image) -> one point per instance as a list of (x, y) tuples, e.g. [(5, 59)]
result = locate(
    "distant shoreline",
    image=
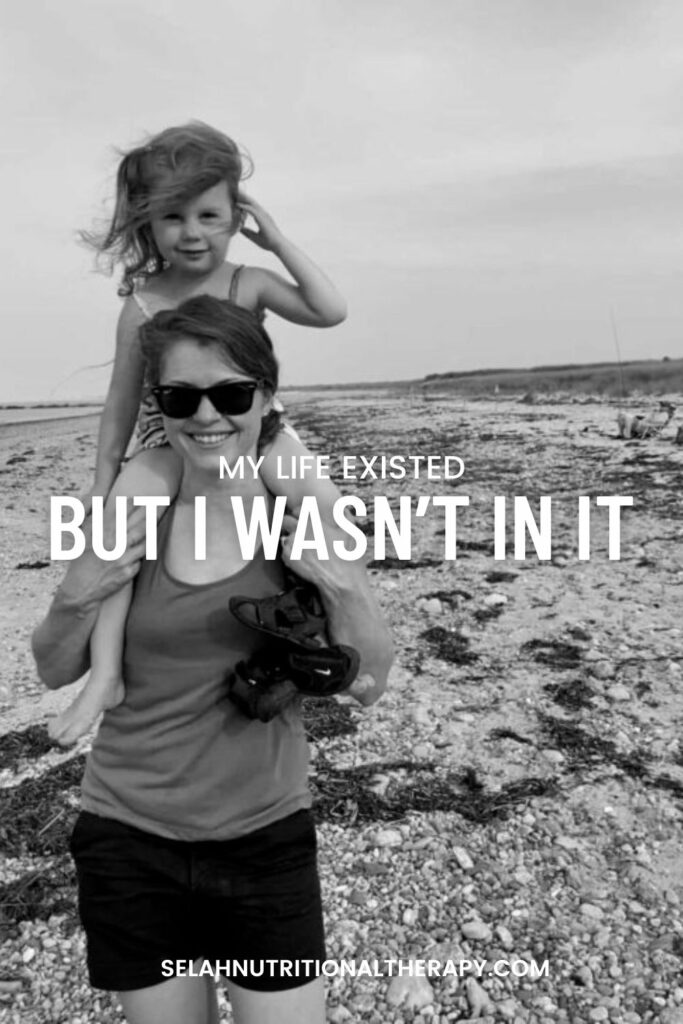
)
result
[(16, 416)]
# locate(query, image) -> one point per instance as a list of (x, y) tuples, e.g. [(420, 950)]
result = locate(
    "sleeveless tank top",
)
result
[(177, 758)]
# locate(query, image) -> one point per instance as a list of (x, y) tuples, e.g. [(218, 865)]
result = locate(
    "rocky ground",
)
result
[(516, 795)]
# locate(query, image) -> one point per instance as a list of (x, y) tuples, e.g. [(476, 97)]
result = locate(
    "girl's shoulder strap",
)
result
[(232, 293), (234, 283), (143, 305)]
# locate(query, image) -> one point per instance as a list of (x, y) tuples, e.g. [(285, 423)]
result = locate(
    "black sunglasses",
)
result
[(179, 402)]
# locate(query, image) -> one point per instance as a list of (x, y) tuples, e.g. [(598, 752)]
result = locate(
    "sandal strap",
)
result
[(295, 615)]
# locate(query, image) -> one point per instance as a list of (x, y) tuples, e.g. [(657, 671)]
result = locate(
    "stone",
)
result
[(422, 716), (364, 1002), (603, 669), (379, 784), (671, 1015), (583, 976), (388, 837), (478, 998), (505, 936), (619, 692), (412, 992), (590, 910), (477, 930), (339, 1015), (463, 858)]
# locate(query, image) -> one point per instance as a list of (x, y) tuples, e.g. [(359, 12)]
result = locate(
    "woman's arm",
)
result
[(312, 301), (354, 616), (123, 399), (61, 641)]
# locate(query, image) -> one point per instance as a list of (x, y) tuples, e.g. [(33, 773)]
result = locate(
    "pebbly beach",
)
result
[(512, 807)]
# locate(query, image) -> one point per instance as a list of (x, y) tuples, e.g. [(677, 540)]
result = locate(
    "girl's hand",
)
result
[(268, 235)]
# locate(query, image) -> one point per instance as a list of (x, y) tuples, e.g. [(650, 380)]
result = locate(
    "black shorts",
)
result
[(144, 899)]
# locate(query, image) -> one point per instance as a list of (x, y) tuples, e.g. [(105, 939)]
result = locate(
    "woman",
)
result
[(195, 840)]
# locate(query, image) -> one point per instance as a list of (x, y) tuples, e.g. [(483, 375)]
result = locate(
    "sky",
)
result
[(486, 181)]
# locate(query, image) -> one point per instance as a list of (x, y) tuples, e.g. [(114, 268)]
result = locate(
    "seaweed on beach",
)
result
[(390, 562), (38, 894), (449, 597), (501, 576), (583, 750), (665, 782), (345, 797), (27, 745), (574, 695), (448, 646), (509, 734), (556, 653), (325, 719), (38, 564), (483, 546), (488, 612), (37, 816), (482, 806), (654, 489)]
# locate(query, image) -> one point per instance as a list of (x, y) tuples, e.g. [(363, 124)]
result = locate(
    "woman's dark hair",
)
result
[(233, 332), (161, 173)]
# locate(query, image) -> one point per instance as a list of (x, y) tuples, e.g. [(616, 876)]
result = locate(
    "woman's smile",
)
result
[(209, 439)]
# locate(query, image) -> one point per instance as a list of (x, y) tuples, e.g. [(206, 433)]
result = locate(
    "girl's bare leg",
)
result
[(151, 473), (302, 1005), (176, 1001)]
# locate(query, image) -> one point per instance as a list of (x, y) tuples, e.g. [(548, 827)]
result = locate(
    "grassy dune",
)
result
[(648, 376)]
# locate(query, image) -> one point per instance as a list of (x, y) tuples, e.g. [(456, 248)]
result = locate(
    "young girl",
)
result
[(178, 204)]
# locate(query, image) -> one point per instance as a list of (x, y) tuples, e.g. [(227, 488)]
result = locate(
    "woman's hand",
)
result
[(268, 236), (89, 579)]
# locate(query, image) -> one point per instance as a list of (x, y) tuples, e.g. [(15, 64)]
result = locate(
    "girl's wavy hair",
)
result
[(235, 333), (163, 172)]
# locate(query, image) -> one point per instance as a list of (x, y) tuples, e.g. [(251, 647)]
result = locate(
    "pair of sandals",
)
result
[(298, 662)]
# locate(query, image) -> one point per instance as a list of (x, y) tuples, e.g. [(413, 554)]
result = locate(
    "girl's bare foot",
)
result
[(96, 696)]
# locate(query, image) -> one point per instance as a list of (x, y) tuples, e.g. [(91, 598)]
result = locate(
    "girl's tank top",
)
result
[(177, 758)]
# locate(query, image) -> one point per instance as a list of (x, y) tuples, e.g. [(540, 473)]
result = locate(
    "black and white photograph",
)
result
[(341, 533)]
